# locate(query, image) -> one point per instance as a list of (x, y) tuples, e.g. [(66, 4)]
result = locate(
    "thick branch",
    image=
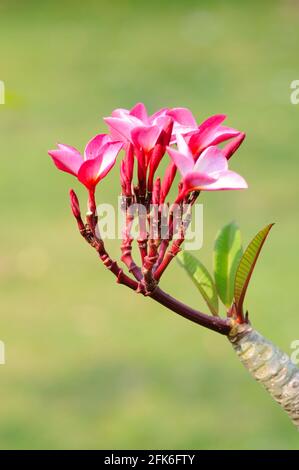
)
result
[(217, 324), (221, 325)]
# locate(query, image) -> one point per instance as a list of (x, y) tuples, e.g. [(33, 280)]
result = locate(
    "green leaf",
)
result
[(227, 254), (247, 264), (201, 278)]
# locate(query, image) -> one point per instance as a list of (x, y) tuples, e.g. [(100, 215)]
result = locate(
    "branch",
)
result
[(167, 256), (220, 325), (126, 246), (88, 233)]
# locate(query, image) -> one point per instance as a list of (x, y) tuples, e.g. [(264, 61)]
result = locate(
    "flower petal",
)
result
[(120, 128), (145, 137), (140, 112), (111, 150), (158, 114), (227, 180), (67, 158), (89, 172), (165, 123), (120, 112), (196, 180), (183, 116), (203, 137), (183, 146), (95, 169), (212, 122), (94, 146), (184, 163), (223, 133), (211, 161)]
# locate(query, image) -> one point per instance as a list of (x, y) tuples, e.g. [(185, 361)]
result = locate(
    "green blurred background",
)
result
[(89, 364)]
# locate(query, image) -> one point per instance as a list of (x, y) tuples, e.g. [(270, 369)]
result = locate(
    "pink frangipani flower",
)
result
[(137, 127), (208, 173), (209, 132), (99, 157), (143, 131)]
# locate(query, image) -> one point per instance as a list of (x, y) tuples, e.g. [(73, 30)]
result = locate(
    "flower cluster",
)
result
[(198, 157), (200, 153)]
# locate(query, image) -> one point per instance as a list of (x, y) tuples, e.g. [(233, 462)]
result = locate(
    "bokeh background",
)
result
[(89, 364)]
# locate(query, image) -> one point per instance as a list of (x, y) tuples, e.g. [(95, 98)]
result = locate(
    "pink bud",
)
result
[(167, 181), (75, 204), (159, 150), (141, 171), (129, 162), (233, 146), (156, 157), (123, 179), (126, 170), (156, 191)]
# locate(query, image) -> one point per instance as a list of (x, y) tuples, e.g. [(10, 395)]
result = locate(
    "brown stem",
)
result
[(150, 282), (126, 246), (98, 244), (221, 325), (165, 242), (143, 237), (127, 258), (175, 248), (165, 257), (151, 258)]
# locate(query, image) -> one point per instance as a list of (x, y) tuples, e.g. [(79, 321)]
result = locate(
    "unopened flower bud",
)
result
[(75, 204), (129, 160), (233, 146), (167, 181), (156, 191), (123, 179)]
